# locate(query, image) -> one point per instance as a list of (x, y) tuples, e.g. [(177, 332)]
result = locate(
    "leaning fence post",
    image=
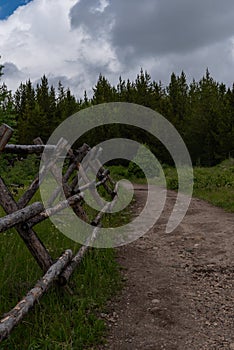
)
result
[(5, 135), (34, 244)]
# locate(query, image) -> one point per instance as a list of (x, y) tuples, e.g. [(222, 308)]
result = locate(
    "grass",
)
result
[(215, 184), (60, 320)]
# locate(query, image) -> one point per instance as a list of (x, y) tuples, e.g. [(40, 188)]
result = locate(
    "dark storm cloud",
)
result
[(85, 13), (154, 27)]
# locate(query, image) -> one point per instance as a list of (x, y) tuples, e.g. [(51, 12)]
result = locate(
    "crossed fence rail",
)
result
[(24, 216)]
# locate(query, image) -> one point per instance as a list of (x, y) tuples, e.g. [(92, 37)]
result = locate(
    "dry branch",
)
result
[(12, 318)]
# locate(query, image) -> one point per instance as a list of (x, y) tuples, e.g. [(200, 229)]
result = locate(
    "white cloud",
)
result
[(76, 40), (38, 39)]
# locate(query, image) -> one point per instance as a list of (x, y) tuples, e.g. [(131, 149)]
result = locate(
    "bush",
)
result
[(147, 161)]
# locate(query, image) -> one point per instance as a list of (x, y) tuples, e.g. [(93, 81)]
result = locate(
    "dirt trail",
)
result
[(178, 292)]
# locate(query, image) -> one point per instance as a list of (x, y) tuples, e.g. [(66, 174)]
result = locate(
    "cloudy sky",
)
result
[(73, 41)]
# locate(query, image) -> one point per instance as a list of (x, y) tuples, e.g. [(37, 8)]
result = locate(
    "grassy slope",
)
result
[(215, 185)]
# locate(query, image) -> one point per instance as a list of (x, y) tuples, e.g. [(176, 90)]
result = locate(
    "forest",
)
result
[(202, 112)]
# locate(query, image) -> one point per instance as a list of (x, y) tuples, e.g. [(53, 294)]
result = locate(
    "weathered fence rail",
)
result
[(23, 217)]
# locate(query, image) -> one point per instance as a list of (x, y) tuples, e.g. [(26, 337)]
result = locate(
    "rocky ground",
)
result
[(178, 291)]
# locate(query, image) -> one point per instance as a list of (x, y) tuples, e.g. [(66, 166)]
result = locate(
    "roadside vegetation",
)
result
[(213, 184), (65, 318)]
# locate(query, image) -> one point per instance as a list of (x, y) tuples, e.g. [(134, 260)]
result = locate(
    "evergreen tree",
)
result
[(7, 112), (103, 91)]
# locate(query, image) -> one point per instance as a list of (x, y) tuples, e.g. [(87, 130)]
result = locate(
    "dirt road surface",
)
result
[(178, 291)]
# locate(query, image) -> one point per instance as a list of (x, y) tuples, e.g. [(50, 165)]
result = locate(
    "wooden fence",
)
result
[(24, 216)]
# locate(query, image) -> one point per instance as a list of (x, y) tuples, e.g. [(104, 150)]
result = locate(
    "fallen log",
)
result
[(12, 318)]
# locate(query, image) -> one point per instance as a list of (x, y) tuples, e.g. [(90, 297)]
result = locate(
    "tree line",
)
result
[(202, 112)]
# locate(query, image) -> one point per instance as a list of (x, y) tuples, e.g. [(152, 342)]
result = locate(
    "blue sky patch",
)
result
[(7, 7)]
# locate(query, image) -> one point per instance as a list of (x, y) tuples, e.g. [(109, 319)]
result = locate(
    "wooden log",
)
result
[(102, 169), (86, 180), (20, 216), (12, 318), (77, 208), (96, 167), (76, 260), (33, 243), (89, 185), (28, 149), (106, 208), (56, 209), (5, 135), (27, 196), (75, 160), (77, 189), (38, 141), (78, 156)]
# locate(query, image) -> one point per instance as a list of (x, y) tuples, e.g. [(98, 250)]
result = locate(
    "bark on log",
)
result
[(27, 196), (97, 168), (76, 260), (28, 149), (33, 243), (92, 184), (78, 156), (86, 180), (20, 216), (56, 209), (106, 208), (12, 318), (5, 135), (75, 160)]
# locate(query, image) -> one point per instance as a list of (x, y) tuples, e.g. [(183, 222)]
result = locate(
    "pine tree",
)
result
[(7, 112), (103, 91)]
